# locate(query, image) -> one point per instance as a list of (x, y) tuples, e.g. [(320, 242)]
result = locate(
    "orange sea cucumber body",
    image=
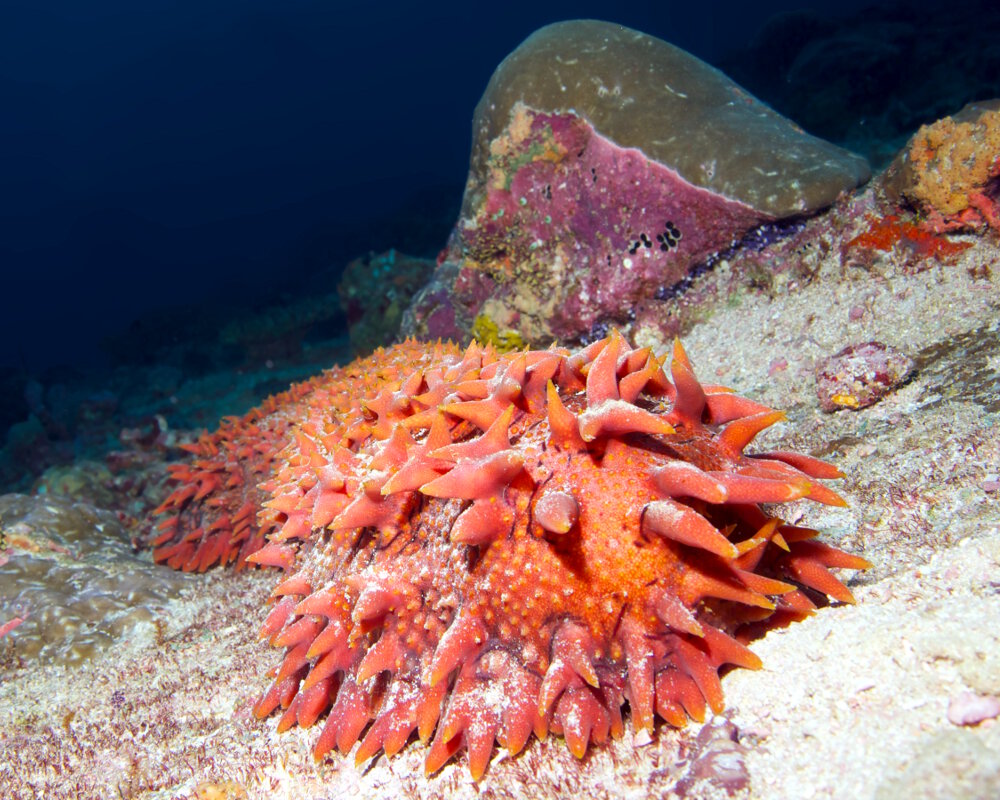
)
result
[(478, 548)]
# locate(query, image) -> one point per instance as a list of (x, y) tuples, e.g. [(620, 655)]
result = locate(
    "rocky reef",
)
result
[(374, 292), (873, 322), (606, 166)]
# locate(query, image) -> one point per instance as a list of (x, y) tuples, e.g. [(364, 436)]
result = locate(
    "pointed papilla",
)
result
[(485, 520), (602, 377), (682, 524), (740, 432), (618, 418), (684, 479), (480, 478), (564, 428), (463, 641)]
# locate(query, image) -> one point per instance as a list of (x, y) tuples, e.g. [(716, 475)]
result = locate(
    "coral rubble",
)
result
[(860, 375)]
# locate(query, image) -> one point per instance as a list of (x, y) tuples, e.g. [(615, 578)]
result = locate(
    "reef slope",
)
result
[(851, 703)]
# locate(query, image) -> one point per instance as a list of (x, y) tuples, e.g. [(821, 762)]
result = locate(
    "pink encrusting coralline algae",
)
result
[(606, 166)]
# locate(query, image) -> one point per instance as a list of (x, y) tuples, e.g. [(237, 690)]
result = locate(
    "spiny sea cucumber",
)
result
[(478, 547)]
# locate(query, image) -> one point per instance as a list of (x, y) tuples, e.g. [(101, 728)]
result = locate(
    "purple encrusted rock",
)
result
[(606, 165), (860, 375), (575, 227)]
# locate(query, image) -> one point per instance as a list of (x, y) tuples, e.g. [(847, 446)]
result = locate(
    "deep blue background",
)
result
[(161, 152)]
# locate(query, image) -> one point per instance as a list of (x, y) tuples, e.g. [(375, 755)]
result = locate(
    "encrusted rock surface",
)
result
[(642, 92), (950, 170), (606, 166), (67, 571), (853, 703)]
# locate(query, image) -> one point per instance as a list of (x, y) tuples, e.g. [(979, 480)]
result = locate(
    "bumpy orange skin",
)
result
[(478, 548)]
